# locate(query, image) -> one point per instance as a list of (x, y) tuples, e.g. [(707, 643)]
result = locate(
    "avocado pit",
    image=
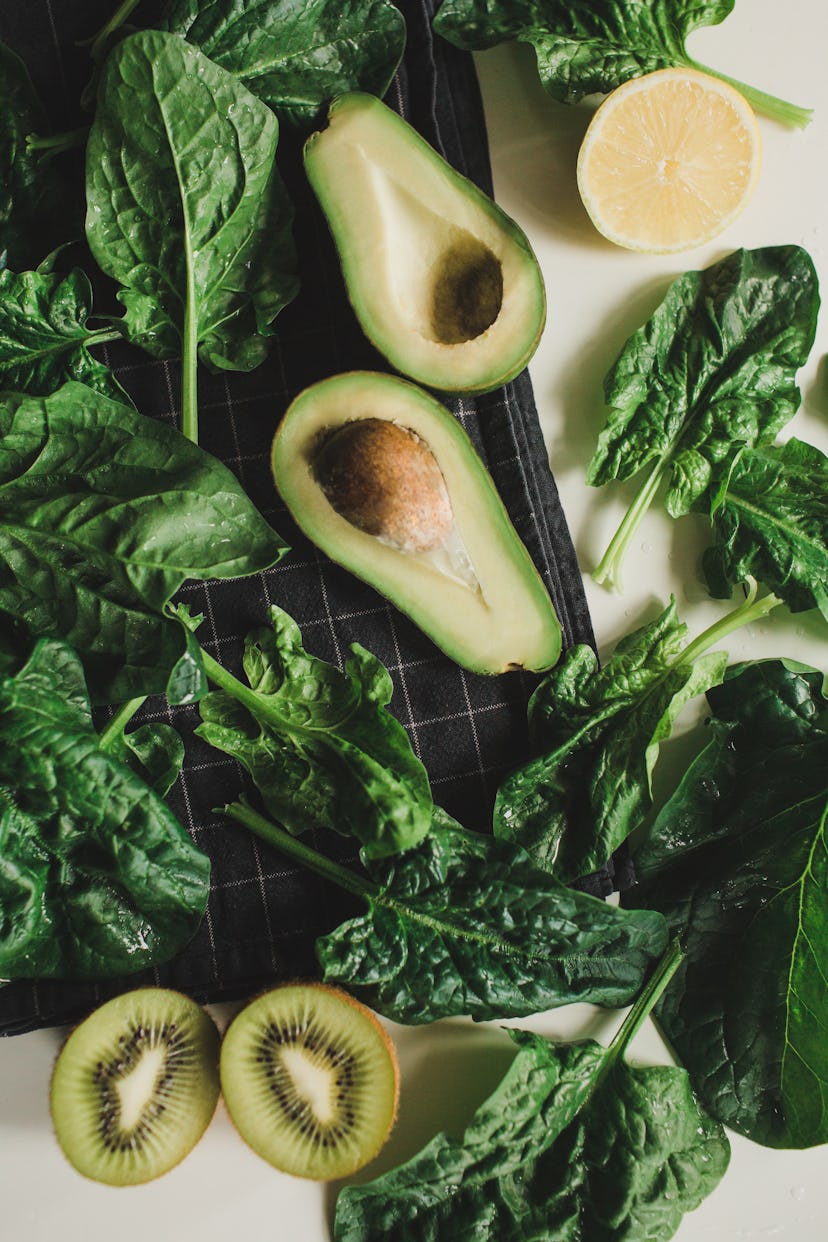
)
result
[(478, 595), (385, 480)]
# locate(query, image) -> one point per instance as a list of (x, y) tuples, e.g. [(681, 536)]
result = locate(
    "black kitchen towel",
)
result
[(469, 730)]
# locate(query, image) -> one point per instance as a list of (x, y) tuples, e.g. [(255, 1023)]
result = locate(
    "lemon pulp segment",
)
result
[(669, 160)]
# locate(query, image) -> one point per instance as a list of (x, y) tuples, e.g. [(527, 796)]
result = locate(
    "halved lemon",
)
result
[(669, 160)]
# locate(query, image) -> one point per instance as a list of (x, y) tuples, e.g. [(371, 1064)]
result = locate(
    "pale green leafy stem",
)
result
[(349, 880)]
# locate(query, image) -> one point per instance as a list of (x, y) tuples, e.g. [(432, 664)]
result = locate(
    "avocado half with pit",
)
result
[(382, 477), (442, 281)]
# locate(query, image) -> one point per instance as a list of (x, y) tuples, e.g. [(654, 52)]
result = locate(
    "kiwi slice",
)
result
[(310, 1079), (135, 1085)]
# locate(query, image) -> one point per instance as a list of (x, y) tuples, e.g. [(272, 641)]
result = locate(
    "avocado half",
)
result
[(442, 281), (477, 595)]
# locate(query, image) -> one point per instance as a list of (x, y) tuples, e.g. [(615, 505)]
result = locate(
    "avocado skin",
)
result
[(443, 282), (509, 622)]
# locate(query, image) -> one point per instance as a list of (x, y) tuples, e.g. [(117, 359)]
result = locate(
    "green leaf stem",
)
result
[(465, 924)]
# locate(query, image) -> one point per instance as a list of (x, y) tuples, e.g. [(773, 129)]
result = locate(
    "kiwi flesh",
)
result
[(135, 1086), (310, 1079)]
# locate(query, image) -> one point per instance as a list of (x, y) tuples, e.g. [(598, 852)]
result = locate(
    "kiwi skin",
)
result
[(245, 1071), (83, 1091)]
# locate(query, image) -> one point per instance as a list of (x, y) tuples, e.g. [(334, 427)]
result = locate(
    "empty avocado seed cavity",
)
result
[(443, 282), (468, 291), (385, 480)]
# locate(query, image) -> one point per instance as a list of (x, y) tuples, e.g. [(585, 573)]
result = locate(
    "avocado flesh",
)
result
[(442, 281), (494, 618)]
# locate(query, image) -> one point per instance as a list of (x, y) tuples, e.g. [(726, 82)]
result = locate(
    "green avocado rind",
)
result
[(410, 231), (509, 621)]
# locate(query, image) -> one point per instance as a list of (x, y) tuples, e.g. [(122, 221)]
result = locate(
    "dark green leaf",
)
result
[(15, 647), (8, 659), (185, 204), (154, 751), (33, 215), (738, 862), (296, 57), (187, 681), (104, 514), (45, 337), (97, 877), (584, 47), (319, 744), (770, 522), (466, 924), (598, 731), (589, 46), (574, 1144), (712, 370)]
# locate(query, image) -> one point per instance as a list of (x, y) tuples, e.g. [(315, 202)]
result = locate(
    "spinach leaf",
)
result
[(465, 924), (97, 877), (318, 743), (154, 750), (296, 57), (33, 217), (44, 334), (770, 521), (186, 209), (713, 370), (598, 731), (589, 46), (104, 514), (738, 862), (574, 1143)]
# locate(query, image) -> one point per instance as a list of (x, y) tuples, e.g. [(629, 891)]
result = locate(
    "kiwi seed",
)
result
[(135, 1085), (310, 1080)]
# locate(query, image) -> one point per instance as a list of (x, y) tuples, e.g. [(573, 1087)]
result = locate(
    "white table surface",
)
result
[(597, 295)]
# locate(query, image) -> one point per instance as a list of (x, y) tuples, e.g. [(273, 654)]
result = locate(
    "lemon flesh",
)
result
[(669, 161)]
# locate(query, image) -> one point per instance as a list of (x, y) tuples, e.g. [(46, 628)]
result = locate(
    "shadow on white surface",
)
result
[(549, 147), (579, 392), (443, 1083), (815, 394), (24, 1094)]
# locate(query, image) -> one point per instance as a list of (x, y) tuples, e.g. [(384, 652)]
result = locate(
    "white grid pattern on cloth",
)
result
[(467, 730), (410, 723)]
